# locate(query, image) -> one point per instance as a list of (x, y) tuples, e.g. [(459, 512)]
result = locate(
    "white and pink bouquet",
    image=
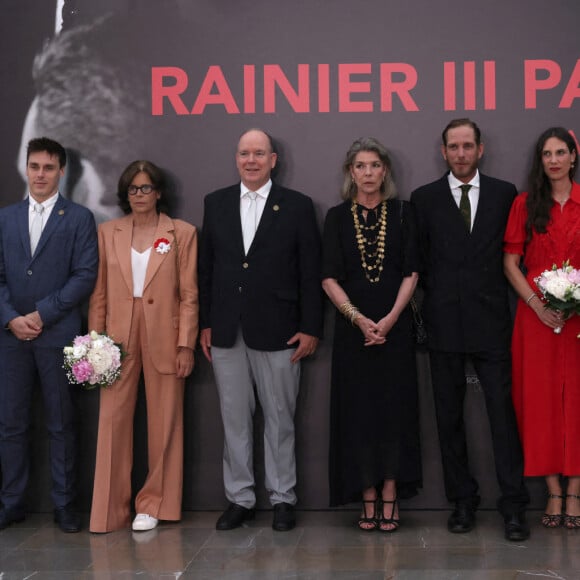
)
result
[(561, 289), (93, 360)]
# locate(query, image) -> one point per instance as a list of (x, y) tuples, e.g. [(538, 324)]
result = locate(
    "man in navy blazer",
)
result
[(461, 220), (48, 267), (260, 314)]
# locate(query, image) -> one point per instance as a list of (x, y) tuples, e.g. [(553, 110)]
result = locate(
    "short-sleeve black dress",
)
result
[(374, 407)]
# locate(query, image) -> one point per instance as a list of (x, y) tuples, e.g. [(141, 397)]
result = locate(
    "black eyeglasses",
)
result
[(145, 189)]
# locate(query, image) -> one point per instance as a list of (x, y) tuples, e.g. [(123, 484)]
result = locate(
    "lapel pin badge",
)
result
[(61, 212), (276, 207)]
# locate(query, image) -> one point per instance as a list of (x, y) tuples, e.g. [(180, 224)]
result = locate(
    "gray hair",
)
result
[(388, 188)]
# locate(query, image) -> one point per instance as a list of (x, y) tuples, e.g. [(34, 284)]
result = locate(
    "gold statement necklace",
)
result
[(372, 245)]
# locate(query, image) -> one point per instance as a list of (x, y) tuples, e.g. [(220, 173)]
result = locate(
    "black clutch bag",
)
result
[(419, 330)]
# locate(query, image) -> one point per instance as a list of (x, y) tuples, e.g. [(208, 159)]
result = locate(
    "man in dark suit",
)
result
[(461, 220), (48, 266), (260, 314)]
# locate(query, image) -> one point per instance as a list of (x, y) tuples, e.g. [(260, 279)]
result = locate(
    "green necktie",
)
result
[(465, 205)]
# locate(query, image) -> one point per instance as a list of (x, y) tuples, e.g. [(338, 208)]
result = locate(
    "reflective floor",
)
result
[(324, 545)]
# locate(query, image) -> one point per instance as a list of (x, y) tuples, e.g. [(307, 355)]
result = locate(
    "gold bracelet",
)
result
[(349, 311), (532, 295)]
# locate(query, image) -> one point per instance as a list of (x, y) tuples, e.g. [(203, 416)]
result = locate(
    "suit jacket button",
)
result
[(245, 265), (150, 301), (29, 272)]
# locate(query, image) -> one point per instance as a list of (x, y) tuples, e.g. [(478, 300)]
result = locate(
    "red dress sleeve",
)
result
[(515, 233)]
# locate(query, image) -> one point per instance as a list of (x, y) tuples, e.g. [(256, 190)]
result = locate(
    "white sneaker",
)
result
[(144, 522)]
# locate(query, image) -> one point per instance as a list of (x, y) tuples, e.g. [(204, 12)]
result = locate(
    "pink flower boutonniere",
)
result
[(162, 246)]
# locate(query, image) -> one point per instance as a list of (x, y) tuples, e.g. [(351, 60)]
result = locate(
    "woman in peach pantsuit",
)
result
[(145, 298)]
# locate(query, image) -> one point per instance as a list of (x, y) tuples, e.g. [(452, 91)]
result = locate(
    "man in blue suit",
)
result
[(48, 267)]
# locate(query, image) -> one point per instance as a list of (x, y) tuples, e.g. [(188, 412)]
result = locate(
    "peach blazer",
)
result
[(170, 296)]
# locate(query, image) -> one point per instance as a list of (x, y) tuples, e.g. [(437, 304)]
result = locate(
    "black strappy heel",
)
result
[(572, 522), (364, 520), (391, 521), (553, 520)]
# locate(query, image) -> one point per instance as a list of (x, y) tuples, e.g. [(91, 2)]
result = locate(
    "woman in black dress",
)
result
[(369, 274)]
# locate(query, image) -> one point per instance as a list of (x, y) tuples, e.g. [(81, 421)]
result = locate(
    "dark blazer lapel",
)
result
[(274, 204), (122, 239), (230, 214), (455, 219), (449, 200), (57, 215), (22, 225), (485, 208), (165, 229)]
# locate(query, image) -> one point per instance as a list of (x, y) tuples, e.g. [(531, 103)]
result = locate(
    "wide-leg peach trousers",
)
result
[(160, 496)]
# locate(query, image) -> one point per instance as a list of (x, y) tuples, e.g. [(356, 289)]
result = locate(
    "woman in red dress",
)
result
[(544, 229)]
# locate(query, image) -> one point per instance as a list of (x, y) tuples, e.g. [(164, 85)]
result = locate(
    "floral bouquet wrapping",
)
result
[(561, 289), (93, 360)]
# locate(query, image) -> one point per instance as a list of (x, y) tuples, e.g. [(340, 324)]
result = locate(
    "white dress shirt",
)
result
[(47, 204), (245, 205)]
